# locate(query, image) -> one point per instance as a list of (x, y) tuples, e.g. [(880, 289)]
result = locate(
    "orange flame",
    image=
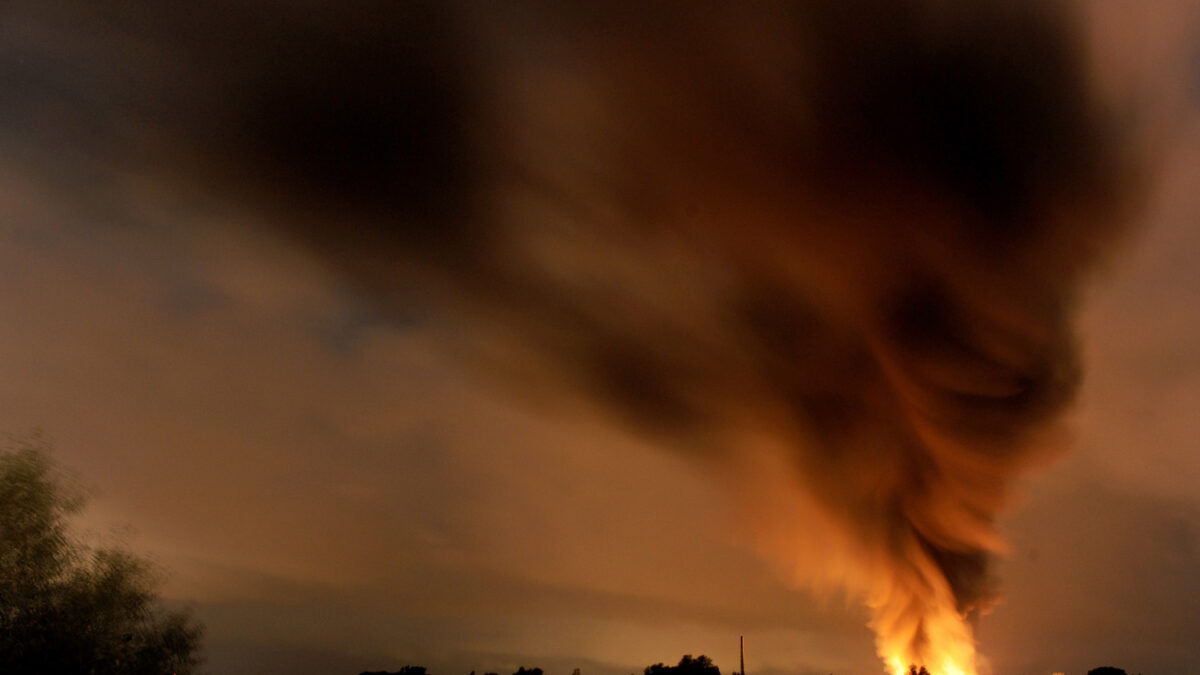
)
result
[(917, 621)]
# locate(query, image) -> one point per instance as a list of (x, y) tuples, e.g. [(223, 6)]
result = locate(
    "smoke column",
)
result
[(831, 249)]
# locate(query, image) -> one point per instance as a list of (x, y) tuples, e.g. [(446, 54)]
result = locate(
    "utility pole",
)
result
[(742, 654)]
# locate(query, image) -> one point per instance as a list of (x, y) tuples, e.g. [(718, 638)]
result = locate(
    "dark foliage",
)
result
[(1106, 670), (65, 608), (701, 665)]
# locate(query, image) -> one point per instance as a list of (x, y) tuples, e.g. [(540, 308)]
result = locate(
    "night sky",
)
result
[(346, 470)]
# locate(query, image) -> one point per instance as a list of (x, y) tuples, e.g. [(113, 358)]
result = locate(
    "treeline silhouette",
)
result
[(700, 665)]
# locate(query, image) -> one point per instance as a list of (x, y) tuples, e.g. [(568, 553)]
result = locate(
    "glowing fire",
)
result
[(949, 650), (917, 621)]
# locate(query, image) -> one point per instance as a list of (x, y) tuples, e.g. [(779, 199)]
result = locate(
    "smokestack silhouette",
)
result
[(847, 235)]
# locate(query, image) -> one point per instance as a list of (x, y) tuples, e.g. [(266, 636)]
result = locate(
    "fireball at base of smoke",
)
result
[(832, 250)]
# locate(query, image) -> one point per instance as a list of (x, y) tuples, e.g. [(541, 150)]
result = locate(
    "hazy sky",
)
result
[(334, 491)]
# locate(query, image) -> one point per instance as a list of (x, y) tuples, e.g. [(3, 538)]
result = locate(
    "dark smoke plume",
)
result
[(847, 233)]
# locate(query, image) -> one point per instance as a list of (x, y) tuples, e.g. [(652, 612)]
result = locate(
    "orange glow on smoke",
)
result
[(917, 622), (950, 650)]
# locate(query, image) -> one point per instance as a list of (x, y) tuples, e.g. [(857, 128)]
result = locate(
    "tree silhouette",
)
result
[(66, 608), (913, 670), (701, 665), (530, 671), (1106, 670)]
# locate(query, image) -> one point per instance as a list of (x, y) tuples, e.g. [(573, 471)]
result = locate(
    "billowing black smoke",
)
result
[(853, 229)]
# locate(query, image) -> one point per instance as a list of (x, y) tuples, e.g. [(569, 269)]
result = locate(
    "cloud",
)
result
[(1104, 573), (1140, 331), (278, 473)]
